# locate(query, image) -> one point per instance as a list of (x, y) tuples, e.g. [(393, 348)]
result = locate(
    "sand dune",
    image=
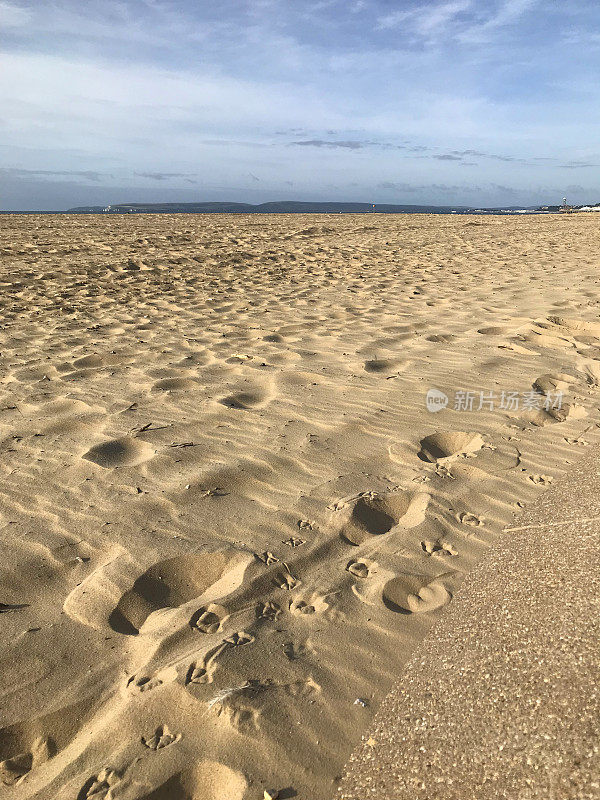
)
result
[(227, 516)]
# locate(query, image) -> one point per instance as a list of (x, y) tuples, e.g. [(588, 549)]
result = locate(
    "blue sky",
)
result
[(475, 102)]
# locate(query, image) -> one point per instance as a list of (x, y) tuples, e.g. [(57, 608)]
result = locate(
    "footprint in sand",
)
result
[(362, 568), (201, 671), (445, 446), (294, 541), (541, 480), (548, 405), (239, 639), (549, 383), (209, 618), (138, 684), (245, 400), (494, 330), (267, 558), (296, 650), (308, 605), (441, 338), (28, 744), (415, 594), (100, 786), (124, 452), (175, 581), (385, 365), (268, 610), (174, 385), (143, 683), (286, 580), (374, 514), (470, 519), (161, 738), (438, 547), (14, 768)]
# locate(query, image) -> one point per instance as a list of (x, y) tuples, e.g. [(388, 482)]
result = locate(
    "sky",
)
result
[(453, 102)]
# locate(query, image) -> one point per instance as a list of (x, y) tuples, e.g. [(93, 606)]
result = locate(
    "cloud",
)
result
[(425, 19), (577, 165), (479, 154), (507, 13), (430, 189), (358, 144), (346, 145), (90, 175), (463, 20), (161, 176), (394, 19), (231, 142)]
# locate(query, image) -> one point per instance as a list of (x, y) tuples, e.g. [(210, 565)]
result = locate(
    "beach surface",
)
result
[(501, 700), (229, 514)]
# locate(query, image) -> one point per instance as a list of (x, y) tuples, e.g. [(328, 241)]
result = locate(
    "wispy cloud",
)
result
[(508, 12), (161, 176), (415, 188), (89, 175), (479, 154), (425, 19), (345, 145), (578, 165), (359, 144)]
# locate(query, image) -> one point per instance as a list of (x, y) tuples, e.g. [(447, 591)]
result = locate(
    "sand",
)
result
[(501, 701), (227, 517)]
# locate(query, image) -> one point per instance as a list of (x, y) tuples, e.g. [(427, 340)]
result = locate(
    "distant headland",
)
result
[(297, 207)]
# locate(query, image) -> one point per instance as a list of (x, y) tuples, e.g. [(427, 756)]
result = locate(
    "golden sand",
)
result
[(227, 516)]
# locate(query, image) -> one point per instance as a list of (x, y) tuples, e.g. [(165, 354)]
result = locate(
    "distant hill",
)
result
[(283, 207), (296, 207)]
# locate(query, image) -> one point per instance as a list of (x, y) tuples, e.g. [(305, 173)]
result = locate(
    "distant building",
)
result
[(566, 209)]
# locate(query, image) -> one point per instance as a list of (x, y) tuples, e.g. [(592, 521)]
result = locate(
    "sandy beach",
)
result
[(228, 514)]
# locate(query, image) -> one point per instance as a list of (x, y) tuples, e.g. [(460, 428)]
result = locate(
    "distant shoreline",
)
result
[(298, 207), (437, 212)]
